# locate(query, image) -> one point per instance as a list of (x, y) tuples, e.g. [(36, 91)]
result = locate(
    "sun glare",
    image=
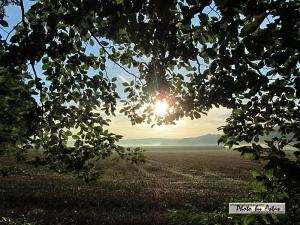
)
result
[(161, 108)]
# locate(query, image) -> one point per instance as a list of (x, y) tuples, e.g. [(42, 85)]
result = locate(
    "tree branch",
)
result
[(8, 33), (23, 13), (252, 65), (112, 59)]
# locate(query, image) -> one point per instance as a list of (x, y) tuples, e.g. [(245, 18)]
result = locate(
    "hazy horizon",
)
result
[(185, 128)]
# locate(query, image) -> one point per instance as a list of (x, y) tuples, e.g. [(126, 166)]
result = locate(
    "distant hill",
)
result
[(209, 140), (205, 140)]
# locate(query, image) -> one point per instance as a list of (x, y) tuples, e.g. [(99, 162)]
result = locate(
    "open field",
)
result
[(129, 194)]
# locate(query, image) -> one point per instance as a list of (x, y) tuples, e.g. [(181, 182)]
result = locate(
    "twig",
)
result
[(3, 30), (12, 30), (106, 73), (85, 46), (198, 63), (112, 59), (213, 9), (41, 93)]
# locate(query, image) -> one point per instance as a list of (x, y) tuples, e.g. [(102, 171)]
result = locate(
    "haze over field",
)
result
[(205, 140), (208, 140)]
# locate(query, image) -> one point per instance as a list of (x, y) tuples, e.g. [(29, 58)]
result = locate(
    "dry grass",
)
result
[(129, 194)]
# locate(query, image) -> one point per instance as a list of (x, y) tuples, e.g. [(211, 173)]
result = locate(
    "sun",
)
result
[(161, 108)]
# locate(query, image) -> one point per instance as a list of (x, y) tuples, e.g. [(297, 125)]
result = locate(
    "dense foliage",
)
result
[(195, 54)]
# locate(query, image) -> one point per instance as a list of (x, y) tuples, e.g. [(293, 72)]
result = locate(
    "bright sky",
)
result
[(184, 127), (121, 124)]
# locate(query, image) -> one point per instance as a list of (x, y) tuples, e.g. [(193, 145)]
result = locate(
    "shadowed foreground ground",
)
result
[(129, 194)]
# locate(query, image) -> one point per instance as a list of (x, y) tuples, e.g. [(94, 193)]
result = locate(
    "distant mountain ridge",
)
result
[(205, 140)]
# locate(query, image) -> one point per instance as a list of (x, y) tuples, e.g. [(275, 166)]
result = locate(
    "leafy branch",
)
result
[(113, 60), (252, 65)]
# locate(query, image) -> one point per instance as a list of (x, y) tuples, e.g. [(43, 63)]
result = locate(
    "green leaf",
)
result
[(75, 137), (211, 52), (102, 66), (253, 25), (249, 155), (68, 133), (3, 23), (189, 68), (203, 18), (258, 185), (92, 42), (119, 2), (104, 43)]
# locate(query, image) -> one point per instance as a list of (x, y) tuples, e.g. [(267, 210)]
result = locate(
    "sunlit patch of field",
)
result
[(129, 194)]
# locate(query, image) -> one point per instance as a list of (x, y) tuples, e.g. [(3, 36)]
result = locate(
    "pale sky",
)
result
[(185, 127)]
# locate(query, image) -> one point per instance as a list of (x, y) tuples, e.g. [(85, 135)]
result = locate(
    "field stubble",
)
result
[(129, 194)]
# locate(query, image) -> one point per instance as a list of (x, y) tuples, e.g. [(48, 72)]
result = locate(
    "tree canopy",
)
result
[(195, 54)]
